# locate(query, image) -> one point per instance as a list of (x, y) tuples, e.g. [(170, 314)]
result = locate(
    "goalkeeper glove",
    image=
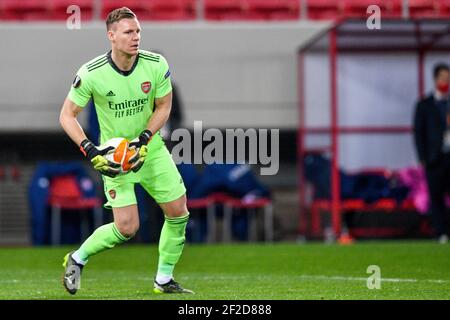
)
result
[(96, 156), (140, 145)]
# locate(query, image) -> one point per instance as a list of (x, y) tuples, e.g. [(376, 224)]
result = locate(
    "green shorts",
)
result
[(158, 175)]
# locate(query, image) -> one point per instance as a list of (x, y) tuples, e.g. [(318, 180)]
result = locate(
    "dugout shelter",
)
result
[(410, 45)]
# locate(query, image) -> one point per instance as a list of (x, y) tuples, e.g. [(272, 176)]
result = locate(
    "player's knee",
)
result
[(175, 213), (179, 212), (128, 228), (176, 208)]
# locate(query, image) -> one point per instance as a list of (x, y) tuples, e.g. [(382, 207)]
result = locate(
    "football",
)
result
[(121, 154)]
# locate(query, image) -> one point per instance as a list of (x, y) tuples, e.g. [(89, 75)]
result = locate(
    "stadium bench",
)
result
[(230, 203), (65, 194), (207, 203), (252, 207), (324, 205), (350, 205)]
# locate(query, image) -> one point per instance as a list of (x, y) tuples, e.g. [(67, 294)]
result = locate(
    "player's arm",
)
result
[(157, 120), (159, 117), (70, 124), (161, 114)]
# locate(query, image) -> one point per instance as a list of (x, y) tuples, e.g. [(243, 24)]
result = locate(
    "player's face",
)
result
[(125, 36), (443, 78)]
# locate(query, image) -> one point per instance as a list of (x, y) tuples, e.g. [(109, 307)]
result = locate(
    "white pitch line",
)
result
[(303, 277), (341, 278), (252, 277)]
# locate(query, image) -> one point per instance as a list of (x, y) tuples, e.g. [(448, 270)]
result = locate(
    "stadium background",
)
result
[(226, 73), (236, 66)]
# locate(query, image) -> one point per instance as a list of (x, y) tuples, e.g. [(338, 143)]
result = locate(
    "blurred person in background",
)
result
[(432, 140), (132, 93)]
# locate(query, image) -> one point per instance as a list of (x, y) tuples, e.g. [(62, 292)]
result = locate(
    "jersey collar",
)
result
[(115, 67)]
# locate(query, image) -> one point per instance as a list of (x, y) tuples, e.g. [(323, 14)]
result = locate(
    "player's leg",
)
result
[(122, 200), (125, 225), (171, 244), (163, 182)]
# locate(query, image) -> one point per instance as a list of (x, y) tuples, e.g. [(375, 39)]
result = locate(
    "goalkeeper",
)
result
[(132, 93)]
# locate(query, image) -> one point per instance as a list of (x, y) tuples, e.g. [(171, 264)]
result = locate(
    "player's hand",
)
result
[(140, 145), (139, 158), (96, 156), (143, 139)]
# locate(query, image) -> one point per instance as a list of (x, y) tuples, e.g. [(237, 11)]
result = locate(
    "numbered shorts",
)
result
[(158, 175)]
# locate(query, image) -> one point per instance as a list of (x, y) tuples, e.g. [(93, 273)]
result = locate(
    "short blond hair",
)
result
[(118, 14)]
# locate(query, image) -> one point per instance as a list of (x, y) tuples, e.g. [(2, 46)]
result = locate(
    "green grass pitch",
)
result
[(409, 270)]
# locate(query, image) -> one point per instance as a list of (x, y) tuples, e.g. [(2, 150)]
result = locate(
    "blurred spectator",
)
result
[(432, 139)]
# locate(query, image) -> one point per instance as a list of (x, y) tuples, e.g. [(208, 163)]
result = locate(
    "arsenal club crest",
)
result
[(146, 86)]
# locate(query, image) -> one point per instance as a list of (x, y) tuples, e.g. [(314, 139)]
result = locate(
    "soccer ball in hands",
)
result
[(121, 153)]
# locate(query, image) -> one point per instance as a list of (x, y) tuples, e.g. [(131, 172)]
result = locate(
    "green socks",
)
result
[(103, 238), (171, 244)]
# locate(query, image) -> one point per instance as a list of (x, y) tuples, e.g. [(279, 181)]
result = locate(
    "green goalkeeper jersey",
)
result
[(124, 100)]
